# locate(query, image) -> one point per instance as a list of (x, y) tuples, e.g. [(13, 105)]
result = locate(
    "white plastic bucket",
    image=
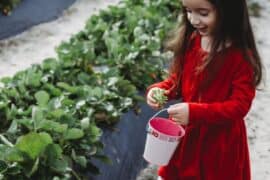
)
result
[(163, 137)]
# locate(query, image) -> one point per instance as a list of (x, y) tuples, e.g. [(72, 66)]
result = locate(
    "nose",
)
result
[(194, 19)]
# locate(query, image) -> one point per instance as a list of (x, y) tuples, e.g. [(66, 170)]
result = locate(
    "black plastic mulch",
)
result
[(29, 13), (124, 146)]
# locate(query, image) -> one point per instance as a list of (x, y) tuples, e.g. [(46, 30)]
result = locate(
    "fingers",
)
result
[(179, 113), (175, 109), (151, 101), (178, 120), (166, 92)]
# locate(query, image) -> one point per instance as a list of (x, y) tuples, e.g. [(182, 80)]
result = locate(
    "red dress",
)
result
[(215, 145)]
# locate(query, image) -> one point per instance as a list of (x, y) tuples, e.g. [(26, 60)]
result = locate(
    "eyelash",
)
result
[(202, 14)]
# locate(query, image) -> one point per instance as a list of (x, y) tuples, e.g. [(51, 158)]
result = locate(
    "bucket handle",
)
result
[(157, 113)]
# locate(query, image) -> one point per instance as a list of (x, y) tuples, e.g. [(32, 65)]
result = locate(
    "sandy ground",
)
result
[(258, 121), (38, 43)]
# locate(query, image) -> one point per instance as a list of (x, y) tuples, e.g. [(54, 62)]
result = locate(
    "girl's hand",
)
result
[(179, 113), (151, 101)]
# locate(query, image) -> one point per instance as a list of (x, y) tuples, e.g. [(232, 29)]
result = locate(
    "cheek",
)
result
[(210, 21)]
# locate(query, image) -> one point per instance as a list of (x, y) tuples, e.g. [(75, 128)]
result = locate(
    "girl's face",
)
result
[(202, 15)]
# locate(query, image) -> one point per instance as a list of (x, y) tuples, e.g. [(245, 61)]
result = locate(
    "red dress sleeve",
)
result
[(170, 84), (235, 107)]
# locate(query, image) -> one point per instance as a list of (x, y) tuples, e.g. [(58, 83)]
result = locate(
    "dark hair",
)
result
[(232, 23)]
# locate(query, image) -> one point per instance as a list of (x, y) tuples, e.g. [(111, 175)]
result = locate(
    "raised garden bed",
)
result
[(53, 114)]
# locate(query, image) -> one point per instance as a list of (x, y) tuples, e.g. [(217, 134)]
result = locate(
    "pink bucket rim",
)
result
[(161, 118)]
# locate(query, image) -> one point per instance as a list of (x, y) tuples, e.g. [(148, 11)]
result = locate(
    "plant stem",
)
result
[(5, 141), (76, 175)]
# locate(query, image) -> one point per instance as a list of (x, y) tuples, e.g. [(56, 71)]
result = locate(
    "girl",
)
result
[(215, 71)]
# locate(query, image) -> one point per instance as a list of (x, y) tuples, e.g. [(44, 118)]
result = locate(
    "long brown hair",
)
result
[(232, 23)]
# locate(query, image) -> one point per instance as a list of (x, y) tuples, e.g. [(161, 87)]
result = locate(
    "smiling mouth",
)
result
[(202, 30)]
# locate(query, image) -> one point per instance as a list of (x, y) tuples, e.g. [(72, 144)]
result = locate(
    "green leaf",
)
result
[(85, 123), (112, 81), (67, 87), (81, 160), (13, 127), (53, 151), (80, 104), (33, 78), (49, 64), (54, 91), (73, 133), (37, 116), (55, 114), (52, 126), (33, 143), (97, 92), (25, 112), (94, 132), (3, 105), (12, 92), (42, 97), (3, 166), (15, 155), (60, 165), (12, 112), (26, 122)]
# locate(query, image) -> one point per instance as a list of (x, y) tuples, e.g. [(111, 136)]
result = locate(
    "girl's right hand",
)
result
[(151, 101)]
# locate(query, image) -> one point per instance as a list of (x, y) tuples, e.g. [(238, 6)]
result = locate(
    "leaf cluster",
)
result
[(51, 113)]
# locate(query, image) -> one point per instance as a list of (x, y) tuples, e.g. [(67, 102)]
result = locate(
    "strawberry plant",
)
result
[(51, 113), (128, 37), (159, 96)]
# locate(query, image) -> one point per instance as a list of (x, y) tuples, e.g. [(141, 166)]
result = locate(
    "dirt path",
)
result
[(38, 43), (258, 120)]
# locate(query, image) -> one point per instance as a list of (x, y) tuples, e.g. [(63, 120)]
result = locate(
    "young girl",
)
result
[(215, 71)]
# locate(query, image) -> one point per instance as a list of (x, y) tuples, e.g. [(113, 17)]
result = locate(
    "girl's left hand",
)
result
[(179, 113)]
